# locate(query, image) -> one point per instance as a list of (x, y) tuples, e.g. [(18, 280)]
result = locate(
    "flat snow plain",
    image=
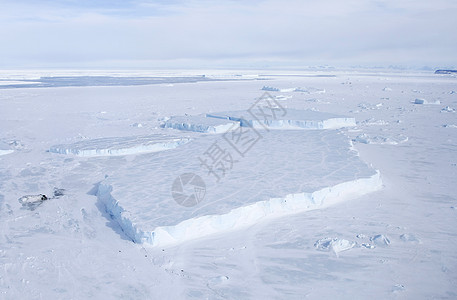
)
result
[(398, 242)]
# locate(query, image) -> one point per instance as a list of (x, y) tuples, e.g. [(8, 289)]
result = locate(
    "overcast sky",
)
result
[(226, 33)]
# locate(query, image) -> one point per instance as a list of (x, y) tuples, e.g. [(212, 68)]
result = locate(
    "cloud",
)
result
[(227, 32)]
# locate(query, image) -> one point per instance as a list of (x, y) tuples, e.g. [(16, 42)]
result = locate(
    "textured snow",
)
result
[(120, 145), (284, 172), (310, 90), (334, 244), (380, 140)]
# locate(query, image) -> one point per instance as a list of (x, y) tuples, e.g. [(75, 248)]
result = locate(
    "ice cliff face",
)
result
[(282, 120), (238, 217)]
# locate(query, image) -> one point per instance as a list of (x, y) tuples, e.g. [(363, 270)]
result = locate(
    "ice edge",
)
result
[(238, 217), (137, 149), (5, 152), (332, 123)]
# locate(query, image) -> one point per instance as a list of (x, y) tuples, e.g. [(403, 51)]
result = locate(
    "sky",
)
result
[(113, 34)]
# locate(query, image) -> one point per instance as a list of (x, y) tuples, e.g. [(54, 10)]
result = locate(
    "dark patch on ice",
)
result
[(31, 202), (58, 192)]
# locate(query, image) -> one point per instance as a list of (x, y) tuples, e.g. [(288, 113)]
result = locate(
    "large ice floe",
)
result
[(248, 175), (282, 119), (199, 123), (120, 145)]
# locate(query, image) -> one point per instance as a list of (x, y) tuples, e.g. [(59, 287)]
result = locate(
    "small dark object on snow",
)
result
[(58, 192), (32, 201)]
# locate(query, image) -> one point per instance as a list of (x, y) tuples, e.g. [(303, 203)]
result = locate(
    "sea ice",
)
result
[(310, 90), (270, 89), (286, 119), (5, 149), (380, 140), (423, 101), (373, 122), (120, 145), (200, 123), (283, 172)]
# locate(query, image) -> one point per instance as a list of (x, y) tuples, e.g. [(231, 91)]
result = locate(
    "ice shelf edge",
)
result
[(239, 217)]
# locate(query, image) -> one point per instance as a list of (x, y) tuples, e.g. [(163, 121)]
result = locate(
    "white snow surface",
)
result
[(284, 172), (69, 247)]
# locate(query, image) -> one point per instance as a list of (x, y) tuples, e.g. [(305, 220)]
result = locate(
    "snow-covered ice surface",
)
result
[(120, 145), (398, 242), (283, 173)]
